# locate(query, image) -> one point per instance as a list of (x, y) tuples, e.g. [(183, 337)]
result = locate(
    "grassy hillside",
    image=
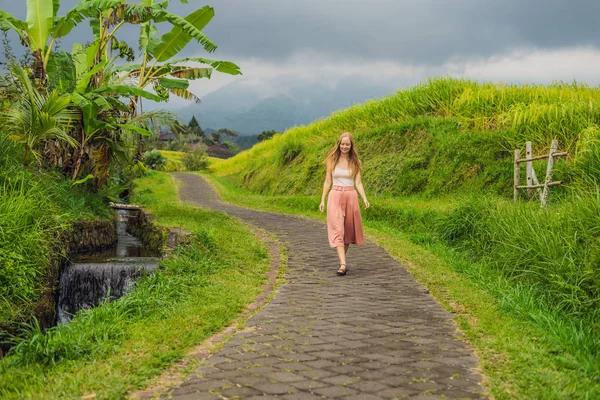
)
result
[(437, 162), (443, 137)]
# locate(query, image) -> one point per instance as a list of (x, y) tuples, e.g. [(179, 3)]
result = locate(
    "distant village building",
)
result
[(167, 136)]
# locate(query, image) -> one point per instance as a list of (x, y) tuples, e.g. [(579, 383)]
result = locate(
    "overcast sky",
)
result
[(402, 42)]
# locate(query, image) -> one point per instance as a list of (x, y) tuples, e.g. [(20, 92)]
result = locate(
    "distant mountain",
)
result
[(250, 108)]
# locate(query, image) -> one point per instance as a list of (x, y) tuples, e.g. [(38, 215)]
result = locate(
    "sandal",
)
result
[(341, 271)]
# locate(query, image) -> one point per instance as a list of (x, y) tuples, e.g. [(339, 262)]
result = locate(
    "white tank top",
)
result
[(342, 177)]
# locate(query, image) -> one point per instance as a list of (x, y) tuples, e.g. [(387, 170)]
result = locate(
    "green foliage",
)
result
[(216, 136), (586, 168), (245, 142), (195, 160), (265, 135), (194, 127), (556, 251), (199, 289), (37, 117), (87, 83), (154, 159), (227, 132)]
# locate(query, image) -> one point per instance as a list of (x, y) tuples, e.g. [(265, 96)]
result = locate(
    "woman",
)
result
[(344, 225)]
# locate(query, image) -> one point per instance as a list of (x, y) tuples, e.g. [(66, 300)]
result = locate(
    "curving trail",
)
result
[(372, 334)]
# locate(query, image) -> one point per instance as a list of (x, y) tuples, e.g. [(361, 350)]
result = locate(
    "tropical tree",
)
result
[(37, 117), (216, 136), (227, 132), (265, 135)]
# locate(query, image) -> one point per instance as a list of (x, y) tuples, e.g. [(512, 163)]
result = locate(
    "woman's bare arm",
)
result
[(326, 187), (361, 189)]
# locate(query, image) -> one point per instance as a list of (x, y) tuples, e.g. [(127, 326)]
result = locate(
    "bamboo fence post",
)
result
[(529, 167), (517, 175), (535, 181), (549, 173)]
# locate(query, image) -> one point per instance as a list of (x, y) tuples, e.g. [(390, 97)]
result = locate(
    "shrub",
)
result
[(195, 160), (174, 166), (154, 159)]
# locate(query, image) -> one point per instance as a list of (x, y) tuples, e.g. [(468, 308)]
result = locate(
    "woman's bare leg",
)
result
[(341, 253)]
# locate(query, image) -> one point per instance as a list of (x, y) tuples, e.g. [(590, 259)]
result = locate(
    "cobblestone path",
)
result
[(372, 334)]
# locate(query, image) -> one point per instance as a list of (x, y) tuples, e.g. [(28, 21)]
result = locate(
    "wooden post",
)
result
[(529, 167), (549, 173), (517, 175)]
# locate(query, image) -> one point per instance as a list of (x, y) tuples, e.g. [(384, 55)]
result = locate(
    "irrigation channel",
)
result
[(105, 275)]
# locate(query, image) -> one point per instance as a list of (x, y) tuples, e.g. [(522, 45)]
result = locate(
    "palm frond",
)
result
[(84, 9), (133, 13)]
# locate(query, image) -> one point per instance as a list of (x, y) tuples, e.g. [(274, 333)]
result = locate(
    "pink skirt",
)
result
[(344, 224)]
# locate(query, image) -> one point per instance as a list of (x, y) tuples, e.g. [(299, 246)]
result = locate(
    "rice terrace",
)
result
[(160, 228)]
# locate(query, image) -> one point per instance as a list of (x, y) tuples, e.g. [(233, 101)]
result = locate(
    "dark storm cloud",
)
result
[(418, 31)]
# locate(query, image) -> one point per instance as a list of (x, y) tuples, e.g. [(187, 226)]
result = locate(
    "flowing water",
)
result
[(104, 275)]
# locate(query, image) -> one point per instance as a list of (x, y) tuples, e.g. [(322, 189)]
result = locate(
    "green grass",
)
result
[(34, 209), (175, 161), (120, 346), (536, 338), (173, 155)]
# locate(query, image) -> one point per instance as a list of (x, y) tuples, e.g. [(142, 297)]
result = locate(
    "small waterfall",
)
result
[(108, 274)]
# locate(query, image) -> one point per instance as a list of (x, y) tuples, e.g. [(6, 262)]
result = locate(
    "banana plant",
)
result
[(169, 77), (103, 113), (42, 27)]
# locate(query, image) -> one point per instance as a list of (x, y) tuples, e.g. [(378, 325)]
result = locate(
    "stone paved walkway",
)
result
[(372, 334)]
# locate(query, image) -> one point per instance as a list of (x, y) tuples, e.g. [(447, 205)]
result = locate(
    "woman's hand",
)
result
[(322, 206), (367, 204)]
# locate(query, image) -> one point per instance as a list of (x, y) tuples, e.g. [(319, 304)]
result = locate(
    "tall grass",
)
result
[(556, 250), (543, 265), (34, 208)]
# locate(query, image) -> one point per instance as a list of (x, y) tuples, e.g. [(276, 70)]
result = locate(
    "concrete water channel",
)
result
[(104, 275)]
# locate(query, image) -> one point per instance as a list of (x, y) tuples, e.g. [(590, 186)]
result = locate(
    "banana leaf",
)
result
[(175, 40)]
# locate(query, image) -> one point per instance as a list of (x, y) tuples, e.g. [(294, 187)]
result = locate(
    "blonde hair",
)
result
[(333, 157)]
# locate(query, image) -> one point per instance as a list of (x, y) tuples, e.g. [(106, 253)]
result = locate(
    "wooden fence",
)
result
[(542, 189)]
